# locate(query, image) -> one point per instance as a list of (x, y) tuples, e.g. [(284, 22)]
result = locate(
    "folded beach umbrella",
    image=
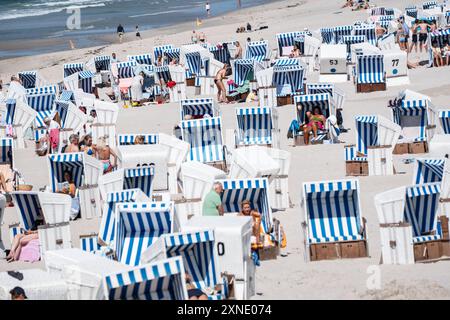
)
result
[(160, 280)]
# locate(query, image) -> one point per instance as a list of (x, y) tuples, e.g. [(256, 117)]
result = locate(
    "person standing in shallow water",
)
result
[(138, 34), (120, 32)]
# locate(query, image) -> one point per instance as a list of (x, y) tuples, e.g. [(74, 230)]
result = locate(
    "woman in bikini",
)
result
[(221, 74), (316, 122)]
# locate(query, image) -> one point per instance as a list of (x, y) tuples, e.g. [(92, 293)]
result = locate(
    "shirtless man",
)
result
[(221, 94), (72, 147), (104, 153), (238, 54)]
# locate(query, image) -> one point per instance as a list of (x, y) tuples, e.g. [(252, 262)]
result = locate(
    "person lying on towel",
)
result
[(25, 246)]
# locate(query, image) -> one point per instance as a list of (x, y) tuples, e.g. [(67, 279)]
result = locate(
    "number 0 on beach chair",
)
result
[(334, 227)]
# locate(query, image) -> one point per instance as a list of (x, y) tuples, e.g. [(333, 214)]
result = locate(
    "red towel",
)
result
[(54, 138)]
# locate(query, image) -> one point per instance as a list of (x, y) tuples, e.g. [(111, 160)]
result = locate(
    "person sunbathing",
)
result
[(22, 240), (193, 292), (247, 211), (104, 155), (68, 187), (295, 53), (139, 140), (348, 3), (73, 147), (87, 146), (316, 121)]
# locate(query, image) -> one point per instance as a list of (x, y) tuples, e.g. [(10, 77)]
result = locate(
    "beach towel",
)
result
[(54, 138), (30, 252)]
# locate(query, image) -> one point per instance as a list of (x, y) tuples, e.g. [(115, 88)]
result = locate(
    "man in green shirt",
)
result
[(212, 204)]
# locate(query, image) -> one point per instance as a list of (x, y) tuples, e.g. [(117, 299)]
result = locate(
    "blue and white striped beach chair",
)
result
[(370, 71), (71, 68), (163, 73), (10, 111), (140, 178), (160, 280), (30, 208), (198, 251), (126, 69), (444, 120), (288, 78), (102, 63), (447, 17), (412, 116), (341, 31), (43, 104), (67, 95), (128, 139), (244, 70), (221, 54), (75, 163), (441, 37), (113, 199), (254, 126), (327, 35), (198, 107), (287, 39), (6, 151), (429, 5), (89, 243), (159, 51), (206, 141), (85, 82), (172, 54), (257, 50), (428, 170), (141, 58), (411, 12), (348, 40), (332, 215), (308, 102), (28, 79), (421, 206), (138, 226), (254, 190), (368, 31), (43, 90)]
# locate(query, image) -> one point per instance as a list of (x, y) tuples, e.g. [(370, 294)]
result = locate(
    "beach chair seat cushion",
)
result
[(356, 237)]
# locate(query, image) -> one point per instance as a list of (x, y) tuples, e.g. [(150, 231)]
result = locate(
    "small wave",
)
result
[(154, 13), (16, 14)]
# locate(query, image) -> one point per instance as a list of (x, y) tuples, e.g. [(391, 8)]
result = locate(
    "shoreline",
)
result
[(110, 38)]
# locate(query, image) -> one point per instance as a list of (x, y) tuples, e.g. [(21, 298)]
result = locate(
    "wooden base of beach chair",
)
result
[(338, 250), (418, 147), (370, 87), (357, 168), (427, 251), (401, 148), (269, 253), (190, 82), (282, 101)]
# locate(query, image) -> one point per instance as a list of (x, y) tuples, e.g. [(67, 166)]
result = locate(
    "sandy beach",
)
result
[(288, 277)]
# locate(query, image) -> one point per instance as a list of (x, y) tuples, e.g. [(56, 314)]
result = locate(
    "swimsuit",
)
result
[(106, 165)]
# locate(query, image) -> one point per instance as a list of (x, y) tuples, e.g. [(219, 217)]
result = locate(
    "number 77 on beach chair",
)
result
[(334, 227)]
